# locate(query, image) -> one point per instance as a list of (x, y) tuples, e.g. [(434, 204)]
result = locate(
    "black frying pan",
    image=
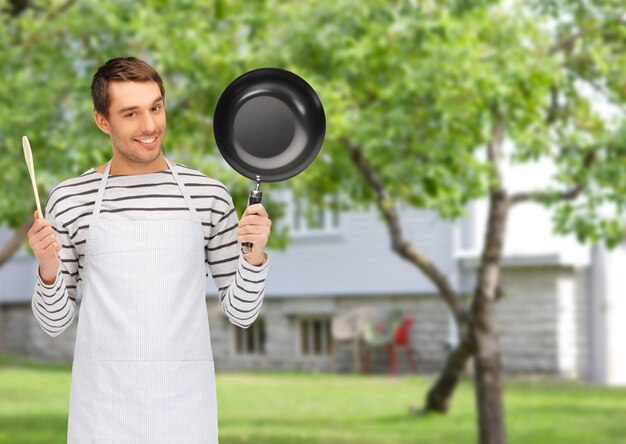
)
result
[(269, 125)]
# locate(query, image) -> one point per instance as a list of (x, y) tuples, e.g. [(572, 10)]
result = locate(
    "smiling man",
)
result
[(140, 235)]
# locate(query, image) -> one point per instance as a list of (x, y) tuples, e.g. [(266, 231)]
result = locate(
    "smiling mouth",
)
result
[(147, 141)]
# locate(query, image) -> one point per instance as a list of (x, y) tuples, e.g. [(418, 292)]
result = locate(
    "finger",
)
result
[(40, 224), (46, 242), (37, 226), (34, 238), (51, 250), (245, 231), (255, 220), (253, 237), (255, 209), (261, 223), (43, 236), (42, 233)]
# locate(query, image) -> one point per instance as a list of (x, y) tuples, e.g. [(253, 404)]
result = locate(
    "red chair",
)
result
[(402, 340), (378, 335)]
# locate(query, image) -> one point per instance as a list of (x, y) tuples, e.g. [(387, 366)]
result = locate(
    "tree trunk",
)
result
[(440, 394), (491, 420), (477, 335), (15, 242)]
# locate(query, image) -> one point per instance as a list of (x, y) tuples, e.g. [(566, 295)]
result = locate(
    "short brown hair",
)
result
[(120, 69)]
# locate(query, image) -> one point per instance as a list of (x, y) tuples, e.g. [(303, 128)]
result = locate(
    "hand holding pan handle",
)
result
[(255, 197), (268, 123)]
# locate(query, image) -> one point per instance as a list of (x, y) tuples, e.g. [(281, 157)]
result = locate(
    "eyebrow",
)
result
[(130, 108)]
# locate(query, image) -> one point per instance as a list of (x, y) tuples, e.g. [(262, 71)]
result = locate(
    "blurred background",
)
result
[(436, 112)]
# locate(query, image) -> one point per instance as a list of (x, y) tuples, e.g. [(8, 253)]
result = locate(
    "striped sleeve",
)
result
[(241, 285), (54, 306)]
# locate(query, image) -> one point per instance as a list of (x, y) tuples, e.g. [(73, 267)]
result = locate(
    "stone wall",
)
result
[(541, 320), (428, 334), (526, 321), (22, 335)]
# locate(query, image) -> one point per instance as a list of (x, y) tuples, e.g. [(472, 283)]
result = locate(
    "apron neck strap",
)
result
[(100, 195), (103, 184), (185, 193)]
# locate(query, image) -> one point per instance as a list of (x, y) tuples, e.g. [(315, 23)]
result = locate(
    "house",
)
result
[(560, 313)]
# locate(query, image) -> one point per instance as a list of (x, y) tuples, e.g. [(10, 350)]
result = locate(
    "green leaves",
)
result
[(413, 84)]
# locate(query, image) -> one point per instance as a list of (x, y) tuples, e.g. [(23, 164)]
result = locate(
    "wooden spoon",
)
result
[(28, 155)]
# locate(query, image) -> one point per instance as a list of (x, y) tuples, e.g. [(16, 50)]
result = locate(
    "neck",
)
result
[(120, 166)]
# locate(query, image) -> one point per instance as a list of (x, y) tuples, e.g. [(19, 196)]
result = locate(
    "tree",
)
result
[(46, 53), (417, 89)]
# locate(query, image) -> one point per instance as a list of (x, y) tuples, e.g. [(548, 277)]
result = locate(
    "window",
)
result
[(308, 217), (315, 337), (251, 340)]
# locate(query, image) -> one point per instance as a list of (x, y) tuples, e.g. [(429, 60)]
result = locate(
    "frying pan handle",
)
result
[(255, 197)]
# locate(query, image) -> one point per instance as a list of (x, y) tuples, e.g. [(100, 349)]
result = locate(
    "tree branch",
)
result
[(15, 242), (554, 105), (17, 6), (398, 243), (567, 41), (60, 9), (545, 196), (50, 15)]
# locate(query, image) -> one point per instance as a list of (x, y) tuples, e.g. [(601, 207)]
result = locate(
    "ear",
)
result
[(102, 122)]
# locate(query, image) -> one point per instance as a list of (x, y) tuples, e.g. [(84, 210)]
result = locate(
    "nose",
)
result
[(147, 124)]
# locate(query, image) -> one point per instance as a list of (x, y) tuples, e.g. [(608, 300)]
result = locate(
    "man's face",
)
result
[(136, 121)]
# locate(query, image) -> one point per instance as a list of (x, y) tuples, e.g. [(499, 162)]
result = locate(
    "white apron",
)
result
[(143, 365)]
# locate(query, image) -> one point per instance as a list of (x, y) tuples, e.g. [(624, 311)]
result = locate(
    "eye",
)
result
[(156, 107), (130, 114)]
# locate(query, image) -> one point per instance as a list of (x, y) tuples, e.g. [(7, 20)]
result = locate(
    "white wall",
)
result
[(608, 315)]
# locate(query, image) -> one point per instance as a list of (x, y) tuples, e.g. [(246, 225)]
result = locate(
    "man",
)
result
[(140, 235)]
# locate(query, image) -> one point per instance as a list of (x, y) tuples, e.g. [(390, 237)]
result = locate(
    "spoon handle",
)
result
[(28, 155)]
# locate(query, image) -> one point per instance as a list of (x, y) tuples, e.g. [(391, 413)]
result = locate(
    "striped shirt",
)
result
[(241, 285)]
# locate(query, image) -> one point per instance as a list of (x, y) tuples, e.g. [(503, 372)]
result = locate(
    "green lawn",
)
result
[(276, 408)]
